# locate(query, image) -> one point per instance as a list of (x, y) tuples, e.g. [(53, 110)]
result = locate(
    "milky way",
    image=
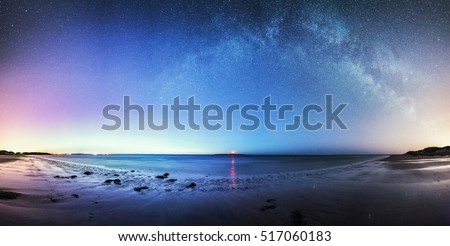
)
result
[(62, 62)]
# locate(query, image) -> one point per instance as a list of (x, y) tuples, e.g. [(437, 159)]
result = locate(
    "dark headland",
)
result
[(5, 152), (431, 151), (428, 152)]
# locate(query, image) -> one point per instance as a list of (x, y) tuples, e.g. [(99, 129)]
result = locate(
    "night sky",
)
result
[(62, 62)]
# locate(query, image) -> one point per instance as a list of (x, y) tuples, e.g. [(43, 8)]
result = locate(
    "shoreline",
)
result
[(374, 192)]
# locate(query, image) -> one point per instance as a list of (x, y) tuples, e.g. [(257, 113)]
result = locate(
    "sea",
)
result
[(229, 166)]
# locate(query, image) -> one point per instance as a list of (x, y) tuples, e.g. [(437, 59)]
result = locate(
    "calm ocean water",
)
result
[(213, 165)]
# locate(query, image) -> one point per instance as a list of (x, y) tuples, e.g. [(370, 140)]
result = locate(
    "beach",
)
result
[(402, 190)]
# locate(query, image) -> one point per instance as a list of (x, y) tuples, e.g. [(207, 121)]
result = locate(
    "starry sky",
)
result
[(61, 62)]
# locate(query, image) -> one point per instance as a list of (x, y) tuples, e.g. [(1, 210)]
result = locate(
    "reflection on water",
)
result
[(233, 183), (419, 164), (422, 161)]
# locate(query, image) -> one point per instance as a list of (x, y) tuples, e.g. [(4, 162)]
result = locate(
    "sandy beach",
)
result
[(392, 191)]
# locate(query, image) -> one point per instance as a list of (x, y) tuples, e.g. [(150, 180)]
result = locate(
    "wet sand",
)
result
[(395, 191)]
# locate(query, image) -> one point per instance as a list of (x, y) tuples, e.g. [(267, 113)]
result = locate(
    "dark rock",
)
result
[(117, 181), (140, 188), (132, 171), (88, 173), (73, 176), (116, 175), (109, 181), (191, 185), (267, 207), (61, 177), (53, 199), (8, 195), (172, 180), (75, 195), (271, 200), (168, 190), (160, 177), (166, 175)]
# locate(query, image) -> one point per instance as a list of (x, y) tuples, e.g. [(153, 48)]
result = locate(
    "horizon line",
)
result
[(205, 154)]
